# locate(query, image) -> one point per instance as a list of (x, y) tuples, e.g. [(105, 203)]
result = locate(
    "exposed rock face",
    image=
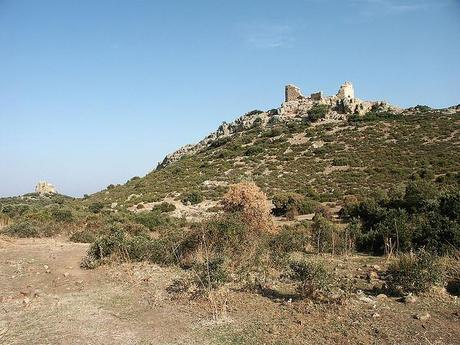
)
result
[(44, 187), (295, 106)]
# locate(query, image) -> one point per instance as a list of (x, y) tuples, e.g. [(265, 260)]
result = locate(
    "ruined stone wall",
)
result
[(317, 96), (292, 93)]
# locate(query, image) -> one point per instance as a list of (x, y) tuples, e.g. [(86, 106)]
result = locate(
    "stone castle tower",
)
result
[(346, 91), (44, 187)]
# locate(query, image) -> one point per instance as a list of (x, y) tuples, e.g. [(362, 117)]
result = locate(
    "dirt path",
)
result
[(129, 304), (123, 305)]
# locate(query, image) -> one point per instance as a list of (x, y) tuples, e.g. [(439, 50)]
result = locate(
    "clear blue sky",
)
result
[(93, 92)]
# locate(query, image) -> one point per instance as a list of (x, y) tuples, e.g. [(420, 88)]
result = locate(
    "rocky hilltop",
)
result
[(296, 106), (326, 148)]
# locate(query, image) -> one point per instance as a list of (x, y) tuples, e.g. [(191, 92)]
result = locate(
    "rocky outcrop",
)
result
[(44, 187), (295, 106)]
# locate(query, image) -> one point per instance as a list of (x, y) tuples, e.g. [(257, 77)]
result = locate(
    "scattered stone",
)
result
[(26, 301), (45, 267), (409, 299), (422, 316), (375, 315), (47, 271), (363, 298), (382, 296), (376, 267), (372, 275), (66, 274)]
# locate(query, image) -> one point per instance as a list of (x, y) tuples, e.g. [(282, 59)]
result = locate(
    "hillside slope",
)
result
[(325, 149)]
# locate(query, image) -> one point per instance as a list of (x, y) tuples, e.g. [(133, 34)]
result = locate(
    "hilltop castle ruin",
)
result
[(344, 102), (44, 187), (294, 107)]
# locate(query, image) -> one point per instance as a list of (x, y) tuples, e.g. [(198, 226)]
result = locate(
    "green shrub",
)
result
[(62, 215), (254, 150), (373, 116), (152, 220), (14, 211), (290, 239), (414, 273), (254, 112), (22, 229), (420, 195), (317, 112), (193, 198), (220, 142), (313, 277), (29, 228), (95, 207), (164, 207), (121, 246), (285, 202), (422, 108), (83, 236), (272, 132)]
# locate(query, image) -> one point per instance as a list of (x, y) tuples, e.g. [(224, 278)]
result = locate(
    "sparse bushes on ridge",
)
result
[(373, 116), (422, 108)]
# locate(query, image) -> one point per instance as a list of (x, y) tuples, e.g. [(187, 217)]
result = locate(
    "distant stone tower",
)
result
[(44, 187), (346, 91), (292, 93)]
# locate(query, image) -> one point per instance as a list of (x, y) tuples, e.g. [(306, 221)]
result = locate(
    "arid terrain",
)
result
[(329, 220), (46, 298)]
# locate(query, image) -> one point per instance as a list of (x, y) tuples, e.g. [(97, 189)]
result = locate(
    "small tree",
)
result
[(324, 234)]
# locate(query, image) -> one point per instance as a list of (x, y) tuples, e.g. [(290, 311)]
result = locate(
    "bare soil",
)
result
[(130, 304)]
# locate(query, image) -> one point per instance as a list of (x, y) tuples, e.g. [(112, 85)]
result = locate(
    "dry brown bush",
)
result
[(247, 198)]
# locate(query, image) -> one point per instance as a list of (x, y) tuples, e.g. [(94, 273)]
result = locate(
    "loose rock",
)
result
[(422, 316)]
